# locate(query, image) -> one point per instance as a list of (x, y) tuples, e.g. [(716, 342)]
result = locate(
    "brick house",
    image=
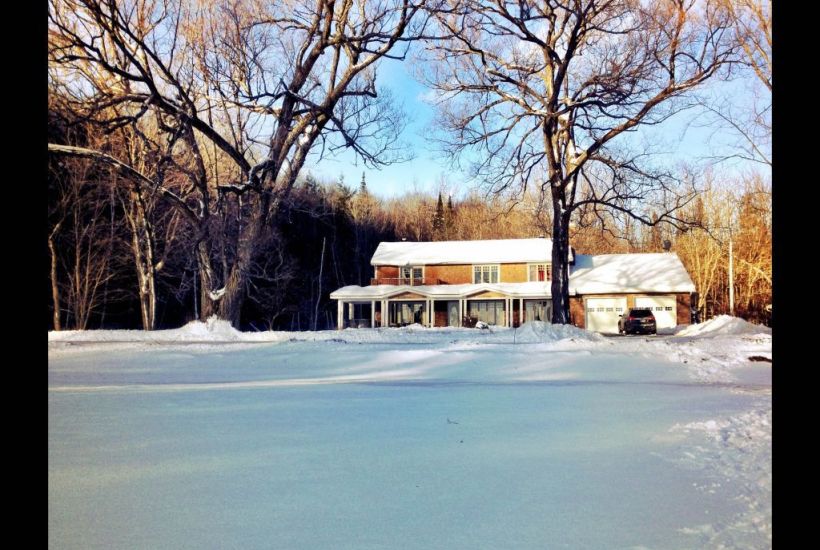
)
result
[(506, 283)]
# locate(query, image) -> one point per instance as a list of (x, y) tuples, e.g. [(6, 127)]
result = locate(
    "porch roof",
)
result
[(380, 292)]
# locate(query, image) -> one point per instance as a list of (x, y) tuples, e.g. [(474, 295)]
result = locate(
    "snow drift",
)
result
[(723, 325)]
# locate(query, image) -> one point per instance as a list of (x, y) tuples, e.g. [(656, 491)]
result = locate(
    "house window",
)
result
[(485, 274), (540, 272), (414, 272)]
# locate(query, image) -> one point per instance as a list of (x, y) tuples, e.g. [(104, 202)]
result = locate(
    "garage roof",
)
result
[(619, 273)]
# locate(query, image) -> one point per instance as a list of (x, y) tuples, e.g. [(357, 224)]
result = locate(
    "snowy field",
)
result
[(537, 437)]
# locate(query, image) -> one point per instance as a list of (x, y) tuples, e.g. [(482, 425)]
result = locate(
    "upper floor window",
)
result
[(411, 272), (540, 272), (485, 274)]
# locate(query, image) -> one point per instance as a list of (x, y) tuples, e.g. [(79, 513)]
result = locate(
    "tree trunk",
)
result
[(230, 303), (142, 246), (206, 277), (560, 264), (55, 290)]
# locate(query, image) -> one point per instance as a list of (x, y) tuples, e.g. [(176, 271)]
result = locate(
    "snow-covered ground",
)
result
[(537, 437)]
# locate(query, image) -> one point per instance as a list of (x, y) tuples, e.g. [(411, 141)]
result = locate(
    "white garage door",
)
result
[(664, 308), (602, 313)]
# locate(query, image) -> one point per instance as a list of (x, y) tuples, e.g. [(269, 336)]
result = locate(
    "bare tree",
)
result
[(263, 84), (737, 211), (79, 243), (750, 121), (536, 93), (753, 28)]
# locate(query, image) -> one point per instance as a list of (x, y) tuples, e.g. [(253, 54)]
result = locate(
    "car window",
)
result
[(640, 313)]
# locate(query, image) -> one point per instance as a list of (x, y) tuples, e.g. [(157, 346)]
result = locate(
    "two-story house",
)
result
[(507, 282)]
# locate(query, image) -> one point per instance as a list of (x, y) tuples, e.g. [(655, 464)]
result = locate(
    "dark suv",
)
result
[(637, 320)]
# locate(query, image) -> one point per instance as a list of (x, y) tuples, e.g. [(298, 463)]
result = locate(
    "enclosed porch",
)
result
[(503, 305)]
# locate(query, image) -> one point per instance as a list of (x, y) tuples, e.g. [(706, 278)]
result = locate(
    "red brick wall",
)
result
[(449, 274), (513, 273), (459, 274), (387, 271)]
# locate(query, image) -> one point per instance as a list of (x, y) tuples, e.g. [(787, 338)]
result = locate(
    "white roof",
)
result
[(499, 251), (377, 292), (617, 273)]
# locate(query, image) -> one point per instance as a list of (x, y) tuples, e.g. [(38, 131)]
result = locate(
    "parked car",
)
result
[(637, 321)]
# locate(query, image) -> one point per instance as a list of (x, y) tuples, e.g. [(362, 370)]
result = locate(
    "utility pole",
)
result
[(319, 296)]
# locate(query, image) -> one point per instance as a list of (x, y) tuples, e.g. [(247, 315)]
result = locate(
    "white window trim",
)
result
[(472, 272), (548, 269)]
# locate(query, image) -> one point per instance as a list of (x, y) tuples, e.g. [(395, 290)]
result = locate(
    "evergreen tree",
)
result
[(438, 220)]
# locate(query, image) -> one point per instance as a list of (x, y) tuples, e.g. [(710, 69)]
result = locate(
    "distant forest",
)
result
[(324, 235)]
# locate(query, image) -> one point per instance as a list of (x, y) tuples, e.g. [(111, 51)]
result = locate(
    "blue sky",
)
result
[(423, 172), (678, 137)]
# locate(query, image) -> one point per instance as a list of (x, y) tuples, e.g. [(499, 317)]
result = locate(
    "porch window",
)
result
[(405, 313), (488, 311), (485, 274), (539, 310), (540, 272)]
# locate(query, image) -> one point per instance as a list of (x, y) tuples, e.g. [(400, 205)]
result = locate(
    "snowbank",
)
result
[(215, 330), (196, 331), (539, 331), (724, 324)]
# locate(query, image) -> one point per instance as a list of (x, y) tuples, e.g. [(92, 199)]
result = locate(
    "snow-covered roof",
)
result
[(378, 292), (617, 273), (463, 252), (599, 274)]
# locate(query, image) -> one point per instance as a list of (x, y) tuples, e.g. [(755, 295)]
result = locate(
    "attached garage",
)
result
[(604, 281), (663, 307), (602, 313)]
